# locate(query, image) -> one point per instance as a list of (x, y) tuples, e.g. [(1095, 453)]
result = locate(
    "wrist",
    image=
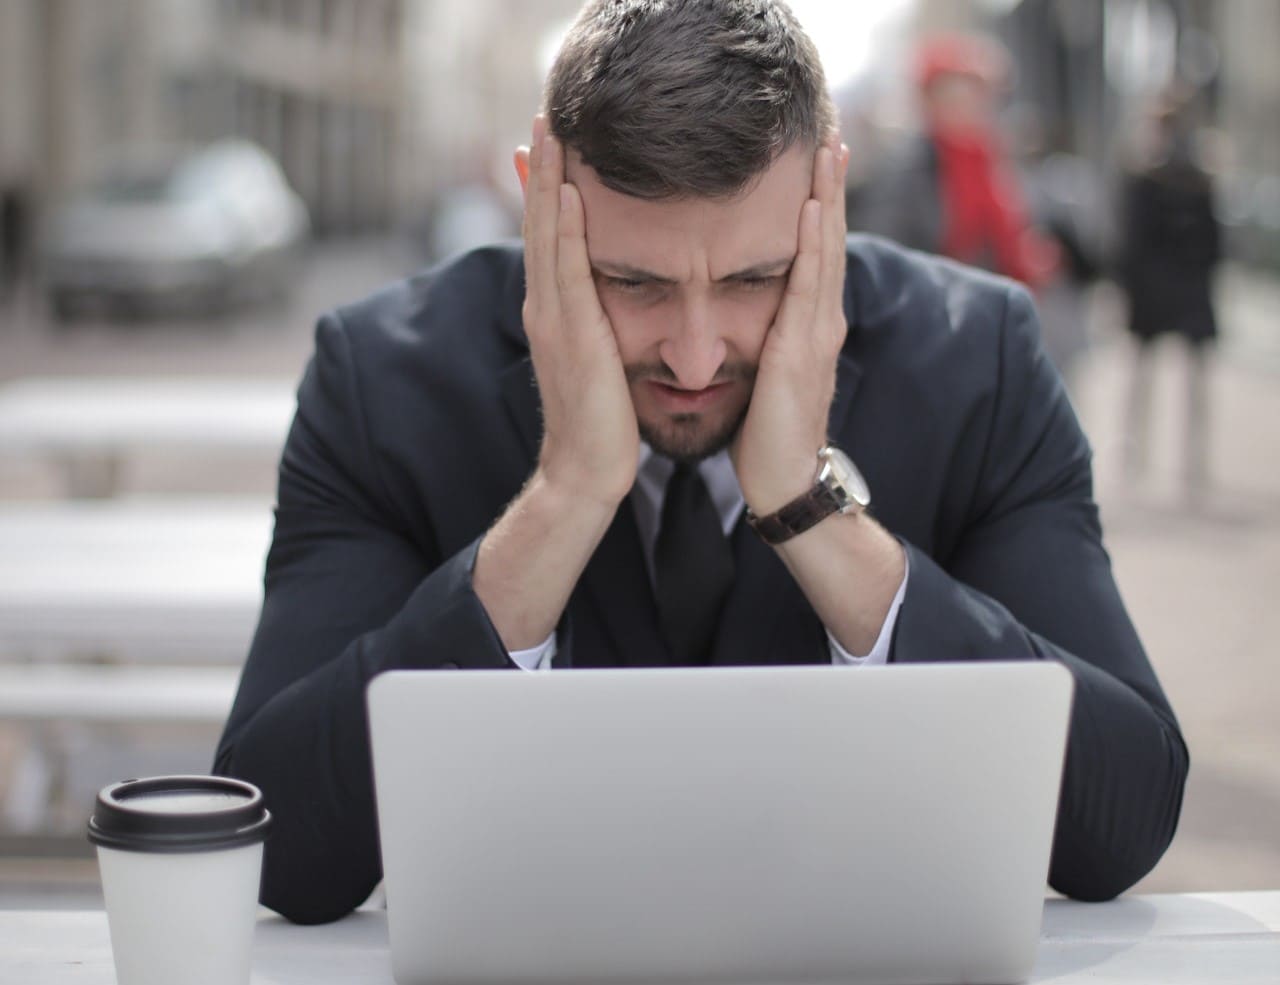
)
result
[(780, 484), (838, 488), (562, 498), (530, 560), (587, 477)]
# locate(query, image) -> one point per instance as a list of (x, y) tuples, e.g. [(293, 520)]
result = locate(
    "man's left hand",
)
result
[(776, 451)]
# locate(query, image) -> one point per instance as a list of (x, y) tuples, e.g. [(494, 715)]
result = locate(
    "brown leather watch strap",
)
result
[(803, 512)]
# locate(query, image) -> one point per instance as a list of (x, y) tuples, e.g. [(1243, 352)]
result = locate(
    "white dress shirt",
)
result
[(722, 484)]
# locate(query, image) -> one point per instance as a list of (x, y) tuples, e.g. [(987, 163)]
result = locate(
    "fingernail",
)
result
[(539, 129), (833, 164)]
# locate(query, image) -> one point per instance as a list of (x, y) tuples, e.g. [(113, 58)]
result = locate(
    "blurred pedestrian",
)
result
[(1065, 201), (13, 240), (951, 190), (1170, 245)]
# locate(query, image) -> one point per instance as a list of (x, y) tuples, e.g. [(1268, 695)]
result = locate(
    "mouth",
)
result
[(676, 400)]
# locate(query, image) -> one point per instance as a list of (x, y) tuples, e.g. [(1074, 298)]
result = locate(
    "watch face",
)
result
[(846, 475)]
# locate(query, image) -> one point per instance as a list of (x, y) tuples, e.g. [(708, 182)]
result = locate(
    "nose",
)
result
[(693, 349)]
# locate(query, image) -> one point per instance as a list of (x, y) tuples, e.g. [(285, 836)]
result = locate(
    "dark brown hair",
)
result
[(686, 98)]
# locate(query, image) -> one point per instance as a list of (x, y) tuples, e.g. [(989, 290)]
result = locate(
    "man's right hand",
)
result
[(531, 559), (591, 442)]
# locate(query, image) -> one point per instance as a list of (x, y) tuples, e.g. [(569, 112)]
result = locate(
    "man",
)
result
[(490, 464)]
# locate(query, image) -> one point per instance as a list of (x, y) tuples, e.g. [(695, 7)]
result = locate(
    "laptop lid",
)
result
[(765, 824)]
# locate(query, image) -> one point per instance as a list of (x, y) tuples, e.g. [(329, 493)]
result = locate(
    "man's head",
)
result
[(690, 128), (672, 99)]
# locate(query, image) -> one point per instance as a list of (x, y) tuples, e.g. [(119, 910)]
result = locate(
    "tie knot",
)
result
[(684, 478)]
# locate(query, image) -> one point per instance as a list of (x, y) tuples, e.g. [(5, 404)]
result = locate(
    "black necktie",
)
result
[(693, 567)]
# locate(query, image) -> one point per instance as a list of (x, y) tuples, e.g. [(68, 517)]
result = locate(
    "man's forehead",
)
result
[(791, 171), (754, 229)]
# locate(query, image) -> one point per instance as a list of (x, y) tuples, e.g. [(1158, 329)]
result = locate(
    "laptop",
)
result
[(719, 825)]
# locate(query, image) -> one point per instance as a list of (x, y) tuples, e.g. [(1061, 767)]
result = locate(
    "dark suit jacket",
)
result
[(418, 422)]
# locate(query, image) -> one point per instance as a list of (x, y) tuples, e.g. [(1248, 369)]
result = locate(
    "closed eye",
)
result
[(757, 283), (631, 285), (625, 283)]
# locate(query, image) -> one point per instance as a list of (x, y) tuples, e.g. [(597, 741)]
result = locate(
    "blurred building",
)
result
[(376, 107), (317, 82), (372, 107), (320, 85), (17, 127), (1089, 69), (1247, 105), (85, 79)]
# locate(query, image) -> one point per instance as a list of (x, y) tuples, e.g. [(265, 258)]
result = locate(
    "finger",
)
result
[(831, 286), (542, 217), (824, 181), (578, 299), (840, 155), (842, 170), (547, 181), (534, 161), (799, 301), (842, 230)]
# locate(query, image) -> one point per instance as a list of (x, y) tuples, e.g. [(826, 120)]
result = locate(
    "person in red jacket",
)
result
[(952, 190)]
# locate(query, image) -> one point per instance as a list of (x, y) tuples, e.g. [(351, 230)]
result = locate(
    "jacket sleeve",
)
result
[(1029, 579), (348, 594)]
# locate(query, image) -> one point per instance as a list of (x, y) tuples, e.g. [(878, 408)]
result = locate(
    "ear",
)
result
[(521, 160)]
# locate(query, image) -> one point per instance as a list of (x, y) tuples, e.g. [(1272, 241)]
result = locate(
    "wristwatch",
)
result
[(840, 488)]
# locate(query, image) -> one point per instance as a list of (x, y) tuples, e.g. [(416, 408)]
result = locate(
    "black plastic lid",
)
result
[(179, 814)]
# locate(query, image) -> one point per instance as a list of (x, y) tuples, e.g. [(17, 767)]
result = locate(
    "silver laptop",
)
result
[(781, 824)]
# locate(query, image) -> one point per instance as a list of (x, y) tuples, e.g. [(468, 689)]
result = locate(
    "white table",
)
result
[(134, 612), (92, 424), (117, 695), (1201, 939), (146, 581)]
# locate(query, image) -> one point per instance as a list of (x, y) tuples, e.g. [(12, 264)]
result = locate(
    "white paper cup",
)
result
[(181, 862)]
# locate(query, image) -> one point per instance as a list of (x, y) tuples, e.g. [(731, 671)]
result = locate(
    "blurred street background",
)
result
[(185, 185)]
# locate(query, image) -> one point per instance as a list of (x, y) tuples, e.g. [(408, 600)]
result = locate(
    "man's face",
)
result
[(691, 288)]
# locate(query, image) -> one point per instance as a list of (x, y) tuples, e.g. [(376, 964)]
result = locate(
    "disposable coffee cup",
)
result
[(181, 863)]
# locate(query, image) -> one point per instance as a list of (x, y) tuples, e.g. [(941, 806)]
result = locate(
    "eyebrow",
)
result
[(625, 271)]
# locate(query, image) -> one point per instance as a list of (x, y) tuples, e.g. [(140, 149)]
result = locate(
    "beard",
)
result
[(689, 438)]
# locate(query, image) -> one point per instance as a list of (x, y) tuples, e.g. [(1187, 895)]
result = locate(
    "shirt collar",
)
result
[(654, 471)]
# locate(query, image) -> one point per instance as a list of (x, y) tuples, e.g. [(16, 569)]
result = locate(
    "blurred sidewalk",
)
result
[(1200, 577), (1250, 303)]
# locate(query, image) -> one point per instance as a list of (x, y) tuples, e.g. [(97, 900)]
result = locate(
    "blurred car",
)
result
[(198, 231)]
